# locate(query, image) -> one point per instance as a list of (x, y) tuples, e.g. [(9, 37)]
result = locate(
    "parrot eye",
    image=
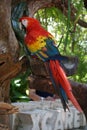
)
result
[(24, 22)]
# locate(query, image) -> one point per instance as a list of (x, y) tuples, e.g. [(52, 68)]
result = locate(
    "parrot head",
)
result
[(28, 22)]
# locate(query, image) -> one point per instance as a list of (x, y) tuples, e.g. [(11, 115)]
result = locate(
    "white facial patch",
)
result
[(25, 22)]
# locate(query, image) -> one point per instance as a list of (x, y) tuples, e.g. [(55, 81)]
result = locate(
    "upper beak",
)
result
[(20, 23), (22, 27)]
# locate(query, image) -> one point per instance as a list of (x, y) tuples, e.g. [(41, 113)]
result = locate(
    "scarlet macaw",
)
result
[(41, 43)]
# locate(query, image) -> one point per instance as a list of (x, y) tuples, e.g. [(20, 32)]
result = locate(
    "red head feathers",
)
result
[(29, 22), (33, 26)]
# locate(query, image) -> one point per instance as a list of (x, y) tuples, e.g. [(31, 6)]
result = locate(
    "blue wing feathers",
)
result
[(52, 52)]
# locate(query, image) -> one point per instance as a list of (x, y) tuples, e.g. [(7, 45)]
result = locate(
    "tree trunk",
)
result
[(8, 43), (10, 65)]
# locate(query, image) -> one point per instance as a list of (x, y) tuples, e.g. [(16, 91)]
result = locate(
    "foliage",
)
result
[(18, 88)]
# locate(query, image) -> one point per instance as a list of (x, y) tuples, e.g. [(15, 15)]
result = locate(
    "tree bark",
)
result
[(10, 66), (7, 44)]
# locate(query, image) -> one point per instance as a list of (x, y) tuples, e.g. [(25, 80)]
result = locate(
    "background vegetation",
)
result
[(71, 39)]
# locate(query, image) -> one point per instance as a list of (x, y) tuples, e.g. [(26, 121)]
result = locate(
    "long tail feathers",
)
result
[(65, 88)]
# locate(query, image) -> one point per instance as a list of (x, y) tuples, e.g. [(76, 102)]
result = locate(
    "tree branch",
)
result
[(35, 5)]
